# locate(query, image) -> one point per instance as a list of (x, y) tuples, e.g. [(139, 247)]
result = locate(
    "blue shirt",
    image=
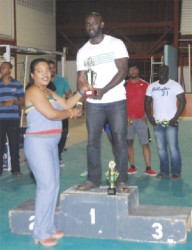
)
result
[(61, 85), (13, 90)]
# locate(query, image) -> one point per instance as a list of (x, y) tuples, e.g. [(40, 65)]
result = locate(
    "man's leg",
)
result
[(147, 154), (175, 156), (95, 119), (130, 141), (63, 139), (2, 143), (161, 140), (131, 152), (117, 117), (13, 137)]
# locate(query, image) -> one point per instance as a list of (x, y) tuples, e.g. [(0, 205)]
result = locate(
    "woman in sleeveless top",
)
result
[(45, 110)]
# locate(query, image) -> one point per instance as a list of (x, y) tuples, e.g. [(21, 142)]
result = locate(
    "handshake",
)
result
[(77, 111)]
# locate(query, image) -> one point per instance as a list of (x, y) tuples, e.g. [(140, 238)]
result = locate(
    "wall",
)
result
[(186, 79), (36, 28), (70, 73), (185, 29), (36, 25), (6, 19)]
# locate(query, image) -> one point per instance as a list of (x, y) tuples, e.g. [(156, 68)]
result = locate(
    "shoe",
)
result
[(175, 177), (50, 242), (84, 173), (150, 172), (161, 175), (87, 185), (57, 235), (18, 174), (122, 187), (132, 170)]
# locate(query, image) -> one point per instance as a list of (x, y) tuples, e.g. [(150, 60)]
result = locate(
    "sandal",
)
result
[(122, 187), (50, 242), (87, 185)]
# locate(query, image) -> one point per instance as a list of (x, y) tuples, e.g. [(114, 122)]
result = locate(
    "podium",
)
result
[(94, 214)]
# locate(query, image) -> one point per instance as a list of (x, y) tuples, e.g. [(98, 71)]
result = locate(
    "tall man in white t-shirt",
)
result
[(169, 102), (109, 59)]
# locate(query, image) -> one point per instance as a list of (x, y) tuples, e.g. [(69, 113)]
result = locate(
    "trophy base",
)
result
[(111, 191), (90, 93)]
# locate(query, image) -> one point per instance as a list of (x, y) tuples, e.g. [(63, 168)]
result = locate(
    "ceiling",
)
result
[(144, 25)]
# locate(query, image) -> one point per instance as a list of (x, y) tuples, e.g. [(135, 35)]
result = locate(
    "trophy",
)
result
[(112, 176), (90, 77)]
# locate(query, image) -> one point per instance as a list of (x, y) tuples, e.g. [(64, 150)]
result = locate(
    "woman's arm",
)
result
[(36, 97), (67, 103)]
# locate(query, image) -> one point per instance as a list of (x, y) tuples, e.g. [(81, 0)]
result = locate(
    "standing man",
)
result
[(11, 97), (137, 121), (62, 89), (168, 99), (109, 57)]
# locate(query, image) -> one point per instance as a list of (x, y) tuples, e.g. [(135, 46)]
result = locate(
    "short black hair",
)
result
[(95, 14), (8, 63), (51, 62), (133, 65)]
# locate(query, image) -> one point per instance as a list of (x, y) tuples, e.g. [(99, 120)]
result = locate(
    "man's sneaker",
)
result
[(150, 172), (175, 177), (84, 173), (132, 171)]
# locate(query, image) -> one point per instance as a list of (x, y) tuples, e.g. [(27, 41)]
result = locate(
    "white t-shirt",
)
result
[(103, 56), (164, 99)]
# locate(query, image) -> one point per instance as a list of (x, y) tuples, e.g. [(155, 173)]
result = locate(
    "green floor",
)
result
[(14, 191)]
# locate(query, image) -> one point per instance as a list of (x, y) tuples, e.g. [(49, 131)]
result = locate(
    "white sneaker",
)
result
[(84, 173)]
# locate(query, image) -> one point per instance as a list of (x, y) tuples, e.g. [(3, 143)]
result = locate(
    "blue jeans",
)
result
[(116, 115), (167, 140)]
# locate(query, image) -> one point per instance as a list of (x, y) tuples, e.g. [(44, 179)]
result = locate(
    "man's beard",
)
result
[(95, 34)]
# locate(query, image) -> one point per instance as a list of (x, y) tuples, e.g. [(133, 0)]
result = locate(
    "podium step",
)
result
[(157, 224), (21, 218), (94, 214)]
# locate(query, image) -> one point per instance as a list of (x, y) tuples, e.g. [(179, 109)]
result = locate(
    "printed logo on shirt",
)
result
[(164, 90), (100, 59), (13, 90)]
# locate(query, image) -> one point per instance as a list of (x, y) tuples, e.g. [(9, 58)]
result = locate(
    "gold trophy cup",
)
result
[(112, 176), (90, 76)]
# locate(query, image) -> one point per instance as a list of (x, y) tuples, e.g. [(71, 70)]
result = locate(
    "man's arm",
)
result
[(148, 110), (81, 80), (122, 67), (181, 102)]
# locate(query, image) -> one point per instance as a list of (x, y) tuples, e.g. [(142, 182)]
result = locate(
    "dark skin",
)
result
[(94, 26), (5, 71), (163, 75)]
